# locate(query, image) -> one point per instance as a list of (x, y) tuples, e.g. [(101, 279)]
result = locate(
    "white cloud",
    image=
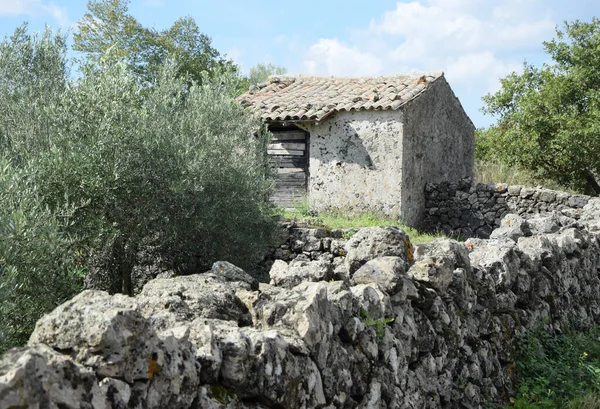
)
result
[(478, 72), (461, 25), (464, 38), (59, 13), (33, 8), (330, 56), (413, 20), (526, 33)]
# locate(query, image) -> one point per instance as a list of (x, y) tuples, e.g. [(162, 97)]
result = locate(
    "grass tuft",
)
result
[(341, 220)]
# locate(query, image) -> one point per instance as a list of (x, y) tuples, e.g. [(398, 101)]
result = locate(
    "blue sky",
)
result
[(475, 42)]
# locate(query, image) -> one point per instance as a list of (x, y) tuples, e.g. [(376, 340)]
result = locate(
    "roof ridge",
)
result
[(429, 73)]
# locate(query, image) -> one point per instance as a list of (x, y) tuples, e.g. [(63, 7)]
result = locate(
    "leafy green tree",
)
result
[(108, 25), (549, 117), (33, 76), (39, 264), (261, 72)]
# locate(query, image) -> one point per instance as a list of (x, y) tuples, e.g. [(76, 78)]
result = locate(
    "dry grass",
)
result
[(498, 172)]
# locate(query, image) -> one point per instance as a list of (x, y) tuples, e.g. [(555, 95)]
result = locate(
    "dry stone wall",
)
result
[(467, 210), (362, 322)]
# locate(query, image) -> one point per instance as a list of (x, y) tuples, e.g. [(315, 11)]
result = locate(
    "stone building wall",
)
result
[(378, 161), (356, 162), (474, 210), (438, 144)]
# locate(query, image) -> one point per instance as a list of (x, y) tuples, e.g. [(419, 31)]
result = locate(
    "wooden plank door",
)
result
[(288, 153)]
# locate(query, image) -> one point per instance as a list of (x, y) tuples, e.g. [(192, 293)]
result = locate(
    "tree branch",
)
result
[(591, 180)]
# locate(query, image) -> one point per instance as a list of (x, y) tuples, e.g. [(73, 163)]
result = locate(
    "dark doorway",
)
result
[(288, 153)]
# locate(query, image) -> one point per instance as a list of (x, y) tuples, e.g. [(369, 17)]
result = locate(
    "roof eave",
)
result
[(294, 121)]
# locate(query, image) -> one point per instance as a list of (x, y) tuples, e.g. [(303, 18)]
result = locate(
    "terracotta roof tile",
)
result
[(299, 97)]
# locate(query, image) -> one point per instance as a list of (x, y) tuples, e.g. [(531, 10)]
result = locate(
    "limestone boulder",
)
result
[(436, 262), (387, 271), (538, 252), (591, 215), (262, 365), (200, 295), (106, 333), (512, 226), (110, 336), (232, 273), (373, 303), (36, 377), (547, 224), (498, 259), (372, 242), (304, 309), (299, 270)]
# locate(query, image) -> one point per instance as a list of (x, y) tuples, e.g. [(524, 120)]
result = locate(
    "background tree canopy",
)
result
[(108, 25), (549, 117), (260, 72)]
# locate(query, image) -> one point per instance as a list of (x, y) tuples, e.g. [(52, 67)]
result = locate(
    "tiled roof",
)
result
[(312, 98)]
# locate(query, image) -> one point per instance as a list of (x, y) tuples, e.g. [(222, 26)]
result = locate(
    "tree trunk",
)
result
[(126, 271), (124, 266), (591, 180)]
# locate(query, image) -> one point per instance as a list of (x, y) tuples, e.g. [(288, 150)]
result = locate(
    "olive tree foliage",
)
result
[(101, 175), (549, 117), (33, 76), (175, 173), (108, 26), (40, 264)]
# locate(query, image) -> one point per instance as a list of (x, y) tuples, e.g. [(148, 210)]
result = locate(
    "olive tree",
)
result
[(101, 174), (176, 172), (40, 262)]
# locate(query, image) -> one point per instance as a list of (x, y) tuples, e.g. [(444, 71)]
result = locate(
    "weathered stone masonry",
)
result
[(368, 322), (466, 210)]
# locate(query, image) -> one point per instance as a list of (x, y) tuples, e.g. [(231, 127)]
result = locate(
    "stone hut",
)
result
[(364, 143)]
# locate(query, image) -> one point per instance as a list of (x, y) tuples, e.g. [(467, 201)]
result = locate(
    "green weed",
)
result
[(378, 324), (558, 370)]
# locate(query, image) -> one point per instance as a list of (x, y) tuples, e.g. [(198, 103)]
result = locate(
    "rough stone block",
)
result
[(578, 201), (373, 242)]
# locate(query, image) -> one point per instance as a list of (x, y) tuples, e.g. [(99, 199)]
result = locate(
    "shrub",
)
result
[(558, 370)]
